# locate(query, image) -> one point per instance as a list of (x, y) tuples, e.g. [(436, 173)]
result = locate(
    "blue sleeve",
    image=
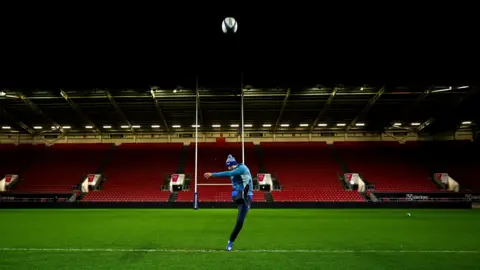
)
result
[(238, 171)]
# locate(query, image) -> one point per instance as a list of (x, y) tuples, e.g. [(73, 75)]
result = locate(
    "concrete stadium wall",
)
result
[(257, 138)]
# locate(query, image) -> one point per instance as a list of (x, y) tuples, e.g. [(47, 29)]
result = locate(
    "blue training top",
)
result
[(240, 177)]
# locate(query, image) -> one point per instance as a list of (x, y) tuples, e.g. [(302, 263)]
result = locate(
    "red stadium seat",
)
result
[(62, 166), (307, 172), (137, 172), (211, 158), (457, 158), (389, 165)]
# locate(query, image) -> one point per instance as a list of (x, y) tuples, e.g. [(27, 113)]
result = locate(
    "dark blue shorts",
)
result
[(240, 197)]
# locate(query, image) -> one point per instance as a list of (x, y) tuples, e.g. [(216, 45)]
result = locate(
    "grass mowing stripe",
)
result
[(244, 251)]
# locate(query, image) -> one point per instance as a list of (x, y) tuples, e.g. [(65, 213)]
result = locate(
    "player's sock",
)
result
[(229, 246)]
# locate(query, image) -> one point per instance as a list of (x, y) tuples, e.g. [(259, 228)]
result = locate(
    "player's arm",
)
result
[(235, 172)]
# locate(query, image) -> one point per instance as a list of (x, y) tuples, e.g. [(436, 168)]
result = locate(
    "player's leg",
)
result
[(243, 201), (242, 214)]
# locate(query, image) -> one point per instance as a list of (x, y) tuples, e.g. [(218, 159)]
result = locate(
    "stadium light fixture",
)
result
[(67, 127), (416, 124), (267, 125), (135, 126), (360, 124), (248, 125), (304, 125), (124, 126), (234, 126), (397, 124), (155, 126), (463, 87), (88, 127), (341, 124), (176, 126), (54, 127), (284, 125), (442, 90), (195, 126), (37, 127), (216, 126), (107, 126), (322, 125), (466, 122), (6, 127)]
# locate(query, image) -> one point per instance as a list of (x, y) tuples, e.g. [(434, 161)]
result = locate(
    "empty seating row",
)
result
[(60, 167), (388, 165), (306, 170), (214, 194), (211, 158), (136, 172)]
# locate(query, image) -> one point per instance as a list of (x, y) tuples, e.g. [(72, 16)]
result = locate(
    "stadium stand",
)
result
[(390, 166), (60, 167), (211, 158), (136, 172), (13, 159), (214, 194), (457, 158), (307, 172)]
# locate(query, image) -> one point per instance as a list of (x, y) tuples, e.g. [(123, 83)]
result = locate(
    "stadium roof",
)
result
[(318, 108)]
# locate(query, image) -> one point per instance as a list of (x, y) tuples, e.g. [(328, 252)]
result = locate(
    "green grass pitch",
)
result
[(271, 239)]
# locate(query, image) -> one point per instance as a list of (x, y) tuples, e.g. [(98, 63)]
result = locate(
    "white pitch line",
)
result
[(240, 250)]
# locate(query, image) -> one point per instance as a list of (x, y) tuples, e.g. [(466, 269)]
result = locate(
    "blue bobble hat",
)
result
[(230, 161)]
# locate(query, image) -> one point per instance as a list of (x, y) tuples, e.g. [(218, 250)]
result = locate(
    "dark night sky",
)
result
[(98, 49)]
